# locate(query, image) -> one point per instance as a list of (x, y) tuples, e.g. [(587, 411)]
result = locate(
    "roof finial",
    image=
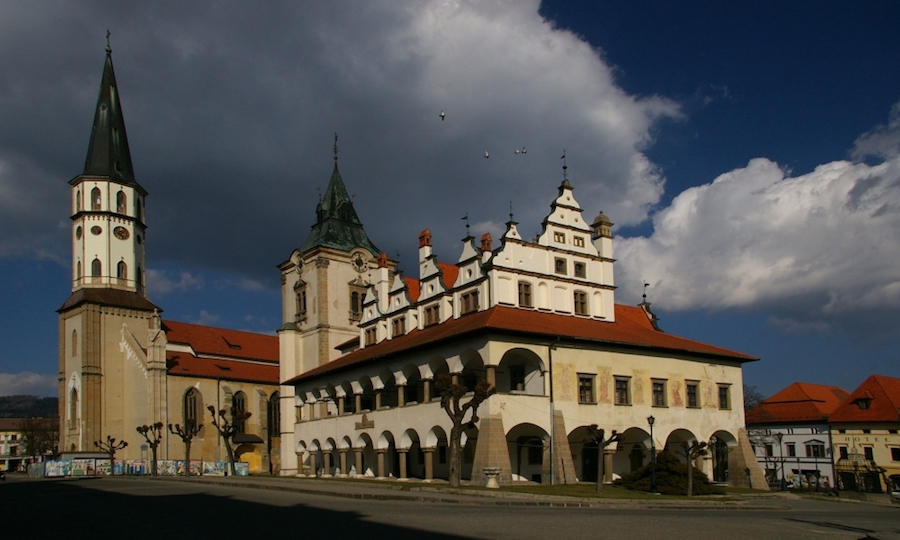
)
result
[(510, 210), (108, 48), (466, 219), (645, 291), (564, 165), (335, 146)]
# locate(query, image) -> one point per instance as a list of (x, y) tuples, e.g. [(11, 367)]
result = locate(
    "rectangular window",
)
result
[(432, 315), (791, 450), (815, 450), (559, 266), (580, 270), (581, 305), (724, 397), (869, 453), (693, 395), (895, 454), (586, 388), (842, 451), (769, 450), (301, 305), (469, 302), (659, 393), (398, 327), (525, 294), (371, 335), (623, 391), (559, 237), (578, 241)]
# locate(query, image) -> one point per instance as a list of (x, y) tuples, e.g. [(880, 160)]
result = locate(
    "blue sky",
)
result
[(748, 154)]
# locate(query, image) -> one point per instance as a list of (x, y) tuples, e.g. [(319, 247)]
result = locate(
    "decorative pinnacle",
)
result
[(510, 211), (335, 146), (108, 48), (466, 219), (645, 291), (564, 165)]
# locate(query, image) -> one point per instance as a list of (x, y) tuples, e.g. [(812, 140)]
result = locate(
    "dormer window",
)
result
[(863, 403), (559, 238), (371, 336), (432, 315), (469, 302), (578, 241), (398, 327)]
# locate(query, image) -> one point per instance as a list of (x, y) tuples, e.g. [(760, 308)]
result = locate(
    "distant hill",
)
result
[(28, 406)]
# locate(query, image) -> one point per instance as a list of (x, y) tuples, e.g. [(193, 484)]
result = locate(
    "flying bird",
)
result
[(522, 151), (486, 155), (442, 115)]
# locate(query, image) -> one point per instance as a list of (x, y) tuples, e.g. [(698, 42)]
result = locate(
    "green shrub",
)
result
[(671, 478)]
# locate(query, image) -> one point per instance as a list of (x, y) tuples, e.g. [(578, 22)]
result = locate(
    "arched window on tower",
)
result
[(74, 342), (78, 270), (120, 202), (96, 268), (95, 199), (73, 408), (122, 271), (193, 405), (238, 409), (78, 200)]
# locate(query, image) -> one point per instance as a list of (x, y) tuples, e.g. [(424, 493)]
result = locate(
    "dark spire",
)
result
[(108, 153), (337, 225)]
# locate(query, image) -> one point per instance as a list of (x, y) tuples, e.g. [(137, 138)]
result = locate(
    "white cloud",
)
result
[(158, 282), (883, 141), (813, 249), (27, 383)]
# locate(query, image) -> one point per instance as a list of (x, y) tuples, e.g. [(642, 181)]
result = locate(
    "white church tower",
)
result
[(109, 379)]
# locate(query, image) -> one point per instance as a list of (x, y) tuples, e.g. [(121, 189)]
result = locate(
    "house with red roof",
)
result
[(791, 436), (866, 437), (362, 346), (120, 365)]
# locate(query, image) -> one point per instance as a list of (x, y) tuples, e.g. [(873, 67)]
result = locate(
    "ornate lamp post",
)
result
[(653, 489)]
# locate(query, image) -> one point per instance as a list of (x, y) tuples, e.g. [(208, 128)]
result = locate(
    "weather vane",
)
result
[(564, 165), (466, 219), (335, 146), (645, 291), (510, 210), (108, 48)]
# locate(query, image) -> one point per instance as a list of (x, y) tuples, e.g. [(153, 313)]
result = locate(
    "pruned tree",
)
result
[(597, 436), (451, 393), (110, 446), (228, 429), (40, 436), (187, 433), (691, 452), (153, 435)]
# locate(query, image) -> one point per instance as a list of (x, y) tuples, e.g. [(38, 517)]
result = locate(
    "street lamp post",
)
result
[(653, 488)]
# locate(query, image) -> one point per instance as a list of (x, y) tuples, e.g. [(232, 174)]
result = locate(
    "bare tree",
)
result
[(451, 393), (691, 452), (40, 436), (598, 436), (752, 397), (187, 434), (228, 429), (111, 447), (153, 436)]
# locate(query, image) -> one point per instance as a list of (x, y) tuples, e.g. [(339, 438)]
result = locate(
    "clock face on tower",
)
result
[(359, 264), (121, 233)]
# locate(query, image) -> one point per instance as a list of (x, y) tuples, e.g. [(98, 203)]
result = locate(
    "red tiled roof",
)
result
[(208, 340), (222, 354), (884, 393), (184, 364), (412, 285), (631, 329), (799, 402), (450, 273)]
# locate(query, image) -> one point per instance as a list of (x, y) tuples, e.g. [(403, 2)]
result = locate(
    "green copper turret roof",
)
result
[(337, 225), (108, 153)]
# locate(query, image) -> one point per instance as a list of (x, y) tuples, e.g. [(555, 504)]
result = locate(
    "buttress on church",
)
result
[(345, 387)]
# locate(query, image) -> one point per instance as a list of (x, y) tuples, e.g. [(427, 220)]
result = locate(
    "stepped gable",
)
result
[(631, 329), (799, 402)]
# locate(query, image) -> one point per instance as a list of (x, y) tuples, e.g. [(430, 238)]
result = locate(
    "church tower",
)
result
[(323, 286), (108, 313)]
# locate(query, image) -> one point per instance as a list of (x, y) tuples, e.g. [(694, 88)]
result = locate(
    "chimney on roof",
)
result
[(383, 283), (486, 241), (424, 245)]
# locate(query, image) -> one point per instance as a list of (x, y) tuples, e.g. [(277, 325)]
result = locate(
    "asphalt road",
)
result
[(111, 508)]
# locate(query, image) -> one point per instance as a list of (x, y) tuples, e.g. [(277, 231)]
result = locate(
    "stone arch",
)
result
[(721, 444), (350, 399), (415, 385), (584, 454), (438, 366), (674, 441), (528, 446), (521, 370), (364, 450), (632, 451), (389, 389), (367, 394), (415, 458), (472, 368)]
